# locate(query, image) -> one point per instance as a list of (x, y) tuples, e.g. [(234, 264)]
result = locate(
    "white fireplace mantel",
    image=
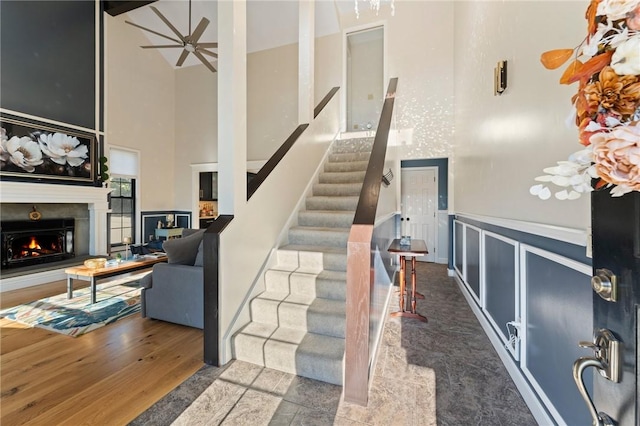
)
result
[(40, 193)]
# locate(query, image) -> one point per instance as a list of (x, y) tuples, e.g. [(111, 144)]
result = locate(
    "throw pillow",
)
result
[(183, 250)]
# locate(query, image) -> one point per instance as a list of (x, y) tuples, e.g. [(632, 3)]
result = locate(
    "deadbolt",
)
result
[(605, 284)]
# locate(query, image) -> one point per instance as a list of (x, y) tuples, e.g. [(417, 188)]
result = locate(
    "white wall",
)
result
[(140, 109), (419, 51), (272, 99), (503, 142), (196, 133), (328, 65)]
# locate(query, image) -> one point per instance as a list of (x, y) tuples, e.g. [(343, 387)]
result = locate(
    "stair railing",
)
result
[(245, 231), (359, 263)]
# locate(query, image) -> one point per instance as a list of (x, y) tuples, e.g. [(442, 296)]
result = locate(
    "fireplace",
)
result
[(26, 243)]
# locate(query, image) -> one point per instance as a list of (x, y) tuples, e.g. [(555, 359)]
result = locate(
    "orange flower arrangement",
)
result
[(606, 66)]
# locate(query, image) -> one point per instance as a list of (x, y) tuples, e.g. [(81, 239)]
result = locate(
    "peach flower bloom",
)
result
[(617, 157)]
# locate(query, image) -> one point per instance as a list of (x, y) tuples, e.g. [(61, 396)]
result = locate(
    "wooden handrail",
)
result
[(323, 103), (271, 164), (368, 202), (359, 267)]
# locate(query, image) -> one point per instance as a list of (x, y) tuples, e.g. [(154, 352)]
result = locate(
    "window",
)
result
[(123, 204)]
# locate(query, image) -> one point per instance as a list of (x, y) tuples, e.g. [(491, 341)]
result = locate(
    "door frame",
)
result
[(385, 77), (444, 233), (435, 218)]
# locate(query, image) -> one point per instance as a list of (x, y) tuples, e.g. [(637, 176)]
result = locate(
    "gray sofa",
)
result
[(174, 291)]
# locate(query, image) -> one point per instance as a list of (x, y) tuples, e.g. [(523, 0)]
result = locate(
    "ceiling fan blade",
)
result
[(162, 46), (154, 32), (169, 24), (215, 44), (197, 33), (204, 61), (182, 58), (206, 52)]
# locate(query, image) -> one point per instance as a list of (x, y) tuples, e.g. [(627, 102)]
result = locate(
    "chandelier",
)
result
[(374, 5)]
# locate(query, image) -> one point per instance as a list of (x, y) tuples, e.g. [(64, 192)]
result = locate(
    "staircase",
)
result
[(298, 324)]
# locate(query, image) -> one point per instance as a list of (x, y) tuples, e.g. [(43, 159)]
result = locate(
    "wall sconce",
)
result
[(387, 178), (500, 78)]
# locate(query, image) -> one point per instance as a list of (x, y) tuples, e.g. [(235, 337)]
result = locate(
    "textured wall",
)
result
[(503, 142), (140, 102)]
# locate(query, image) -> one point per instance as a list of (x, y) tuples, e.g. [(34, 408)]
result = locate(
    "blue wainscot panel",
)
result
[(557, 311), (472, 252), (500, 283), (459, 247)]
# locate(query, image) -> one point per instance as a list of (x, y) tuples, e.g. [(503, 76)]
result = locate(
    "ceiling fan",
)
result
[(190, 42)]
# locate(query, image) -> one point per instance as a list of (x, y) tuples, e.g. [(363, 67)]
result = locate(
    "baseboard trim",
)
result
[(30, 280), (451, 273), (528, 394)]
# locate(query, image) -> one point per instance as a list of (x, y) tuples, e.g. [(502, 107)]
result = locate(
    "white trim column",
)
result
[(232, 105), (306, 54)]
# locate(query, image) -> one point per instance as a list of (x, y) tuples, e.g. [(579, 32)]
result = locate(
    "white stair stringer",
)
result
[(298, 322)]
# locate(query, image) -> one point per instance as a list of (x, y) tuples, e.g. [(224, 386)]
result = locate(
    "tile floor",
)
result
[(444, 372)]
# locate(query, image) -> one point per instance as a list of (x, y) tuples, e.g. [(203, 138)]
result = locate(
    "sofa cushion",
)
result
[(183, 250)]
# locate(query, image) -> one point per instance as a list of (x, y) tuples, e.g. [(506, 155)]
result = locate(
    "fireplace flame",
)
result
[(34, 244)]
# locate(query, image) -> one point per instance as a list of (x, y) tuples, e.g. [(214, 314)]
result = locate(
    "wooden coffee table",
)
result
[(93, 275)]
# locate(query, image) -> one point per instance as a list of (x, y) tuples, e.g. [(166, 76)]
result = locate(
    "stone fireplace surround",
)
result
[(87, 204)]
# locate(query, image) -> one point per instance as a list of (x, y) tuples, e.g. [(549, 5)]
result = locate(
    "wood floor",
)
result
[(106, 377)]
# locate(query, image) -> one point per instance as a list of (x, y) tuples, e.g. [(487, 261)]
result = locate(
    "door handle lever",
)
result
[(581, 364)]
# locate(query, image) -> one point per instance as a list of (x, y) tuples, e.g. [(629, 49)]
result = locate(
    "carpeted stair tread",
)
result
[(350, 166), (315, 257), (353, 145), (313, 235), (348, 157), (327, 202), (341, 177), (326, 218), (337, 189)]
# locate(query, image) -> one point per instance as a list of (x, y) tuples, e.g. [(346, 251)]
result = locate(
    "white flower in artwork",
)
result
[(4, 154), (24, 152), (63, 149)]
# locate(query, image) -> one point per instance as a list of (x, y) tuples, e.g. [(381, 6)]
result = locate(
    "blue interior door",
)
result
[(616, 247)]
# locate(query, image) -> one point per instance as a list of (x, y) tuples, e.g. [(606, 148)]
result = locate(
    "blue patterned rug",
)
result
[(77, 316)]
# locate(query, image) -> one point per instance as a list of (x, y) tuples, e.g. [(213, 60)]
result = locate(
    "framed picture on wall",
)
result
[(32, 151)]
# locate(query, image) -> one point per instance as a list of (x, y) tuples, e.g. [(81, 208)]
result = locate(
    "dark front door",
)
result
[(616, 260)]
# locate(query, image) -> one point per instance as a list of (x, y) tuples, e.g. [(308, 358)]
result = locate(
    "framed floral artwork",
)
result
[(30, 150)]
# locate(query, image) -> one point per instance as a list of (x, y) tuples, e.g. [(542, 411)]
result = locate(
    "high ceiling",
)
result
[(270, 23)]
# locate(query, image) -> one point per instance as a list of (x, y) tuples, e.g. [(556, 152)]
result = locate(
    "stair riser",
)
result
[(352, 145), (337, 190), (349, 157), (297, 317), (327, 220), (341, 177), (302, 236), (332, 203), (305, 284), (353, 166), (312, 260), (285, 357)]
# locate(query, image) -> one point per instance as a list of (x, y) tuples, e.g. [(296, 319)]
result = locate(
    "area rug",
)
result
[(77, 316)]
